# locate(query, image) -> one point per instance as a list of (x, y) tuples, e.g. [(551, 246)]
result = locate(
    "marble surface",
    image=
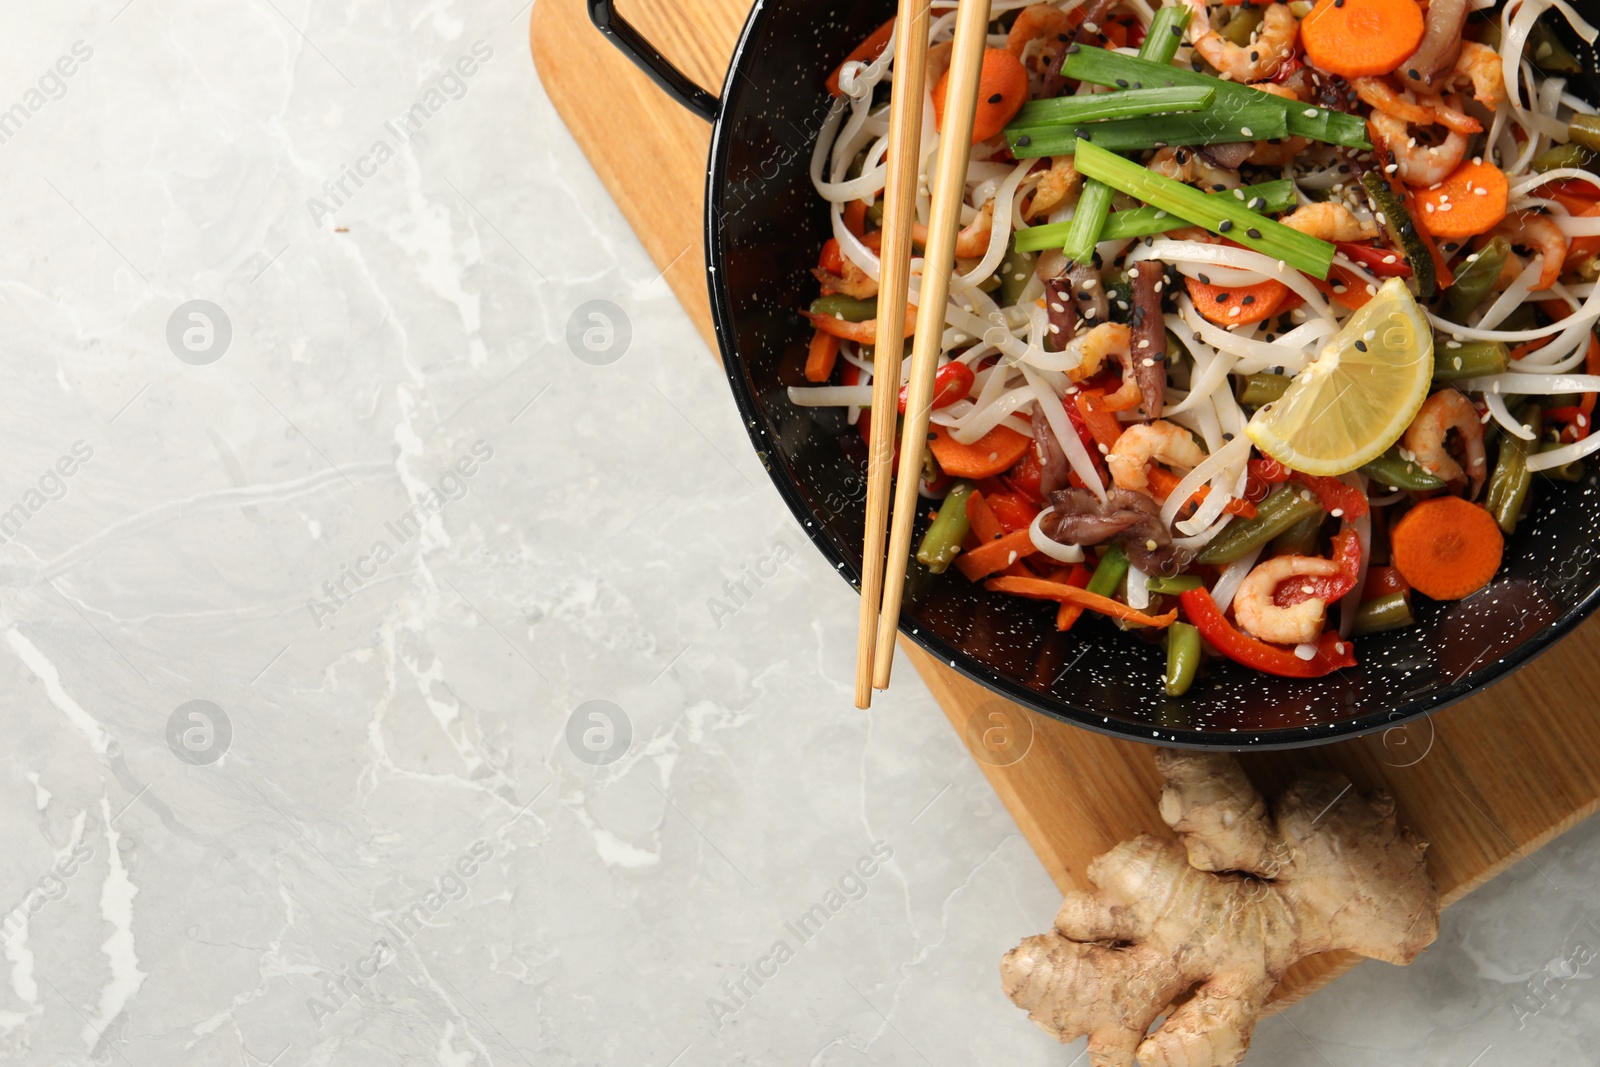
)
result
[(377, 680)]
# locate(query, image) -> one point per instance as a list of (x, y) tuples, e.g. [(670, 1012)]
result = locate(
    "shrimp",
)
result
[(1055, 185), (853, 282), (1160, 441), (1271, 44), (1330, 221), (1382, 96), (1040, 22), (1109, 340), (973, 240), (1537, 232), (1187, 165), (1255, 610), (1442, 412), (1418, 164), (1480, 65)]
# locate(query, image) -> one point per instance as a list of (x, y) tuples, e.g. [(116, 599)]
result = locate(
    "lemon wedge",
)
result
[(1357, 395)]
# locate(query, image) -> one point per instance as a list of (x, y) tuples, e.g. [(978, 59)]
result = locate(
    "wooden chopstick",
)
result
[(938, 259), (899, 201)]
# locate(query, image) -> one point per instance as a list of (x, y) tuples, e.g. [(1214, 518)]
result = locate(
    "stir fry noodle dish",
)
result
[(1266, 320)]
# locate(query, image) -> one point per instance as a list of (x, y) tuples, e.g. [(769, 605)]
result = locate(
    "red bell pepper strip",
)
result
[(1102, 424), (1335, 497), (1331, 493), (1014, 512), (1333, 652), (1383, 262), (1347, 554), (1024, 478), (1381, 581), (953, 382)]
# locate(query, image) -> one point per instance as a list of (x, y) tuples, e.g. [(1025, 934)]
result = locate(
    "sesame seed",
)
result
[(1225, 226), (1122, 83), (1253, 232), (1024, 141), (1361, 346), (1246, 131), (996, 98), (1310, 112)]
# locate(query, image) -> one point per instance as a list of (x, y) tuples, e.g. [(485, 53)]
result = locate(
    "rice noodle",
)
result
[(1531, 384), (1232, 577), (1502, 414), (830, 396), (1558, 457), (1232, 452), (1514, 295)]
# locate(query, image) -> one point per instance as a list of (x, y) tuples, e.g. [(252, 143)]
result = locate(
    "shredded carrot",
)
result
[(1068, 613), (1103, 425), (1237, 305), (865, 332), (1354, 38), (1470, 201), (1163, 482), (865, 52), (1447, 548), (1002, 90), (1039, 589), (995, 555), (1444, 278), (821, 356), (991, 454), (981, 517)]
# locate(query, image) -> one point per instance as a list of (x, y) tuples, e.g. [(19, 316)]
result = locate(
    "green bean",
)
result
[(1183, 657), (1242, 26), (942, 542), (1570, 154), (847, 308), (1182, 583), (1548, 54), (1109, 572), (1511, 479), (1567, 472), (1468, 359), (1388, 612), (1301, 538), (1584, 130), (1016, 270), (1475, 280), (1394, 472), (1287, 505), (1262, 388)]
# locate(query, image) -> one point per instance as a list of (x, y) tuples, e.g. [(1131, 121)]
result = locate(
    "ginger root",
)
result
[(1210, 923)]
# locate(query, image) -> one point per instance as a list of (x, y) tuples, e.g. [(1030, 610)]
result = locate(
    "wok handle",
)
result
[(649, 59)]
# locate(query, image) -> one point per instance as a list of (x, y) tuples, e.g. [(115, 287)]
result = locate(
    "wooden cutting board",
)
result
[(1487, 781)]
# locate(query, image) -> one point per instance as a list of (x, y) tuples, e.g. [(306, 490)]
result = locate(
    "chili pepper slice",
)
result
[(952, 383)]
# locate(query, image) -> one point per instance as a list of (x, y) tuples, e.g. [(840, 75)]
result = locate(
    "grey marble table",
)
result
[(403, 666)]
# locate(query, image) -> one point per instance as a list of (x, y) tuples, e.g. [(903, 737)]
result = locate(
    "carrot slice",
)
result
[(1447, 548), (820, 358), (1002, 90), (865, 52), (981, 517), (1039, 589), (991, 454), (1236, 305), (1470, 201), (1355, 38), (995, 555)]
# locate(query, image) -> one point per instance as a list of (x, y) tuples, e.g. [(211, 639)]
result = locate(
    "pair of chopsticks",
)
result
[(883, 581)]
